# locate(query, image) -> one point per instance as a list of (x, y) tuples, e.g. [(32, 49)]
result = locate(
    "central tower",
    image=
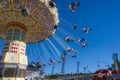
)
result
[(14, 61)]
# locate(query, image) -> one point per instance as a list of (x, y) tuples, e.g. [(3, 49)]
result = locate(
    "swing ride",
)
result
[(31, 21), (21, 22), (73, 6)]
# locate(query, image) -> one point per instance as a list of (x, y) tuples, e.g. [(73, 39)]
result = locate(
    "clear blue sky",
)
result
[(102, 16)]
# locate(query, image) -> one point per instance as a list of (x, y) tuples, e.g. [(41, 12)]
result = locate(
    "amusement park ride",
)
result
[(21, 22)]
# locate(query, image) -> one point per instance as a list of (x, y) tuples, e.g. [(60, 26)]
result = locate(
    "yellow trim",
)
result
[(16, 17), (10, 4), (26, 20), (32, 13), (7, 16), (19, 53), (36, 9), (21, 35), (13, 16), (12, 9), (23, 4), (2, 12), (20, 38), (12, 36), (11, 78), (2, 20)]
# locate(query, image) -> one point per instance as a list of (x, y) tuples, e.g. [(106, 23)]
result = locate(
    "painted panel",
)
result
[(14, 47), (4, 4), (9, 16), (22, 48), (11, 58), (34, 4), (23, 59), (42, 12), (17, 4), (17, 16)]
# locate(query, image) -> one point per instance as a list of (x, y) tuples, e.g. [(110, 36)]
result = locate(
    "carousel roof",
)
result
[(40, 18)]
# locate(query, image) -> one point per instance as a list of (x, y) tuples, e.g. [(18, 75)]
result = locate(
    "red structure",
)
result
[(102, 74)]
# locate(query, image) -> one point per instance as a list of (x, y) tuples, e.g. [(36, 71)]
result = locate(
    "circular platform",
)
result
[(38, 16)]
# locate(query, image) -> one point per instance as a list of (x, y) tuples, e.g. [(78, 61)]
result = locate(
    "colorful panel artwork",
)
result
[(23, 59), (34, 4), (4, 4), (9, 16), (17, 4), (11, 58), (22, 49), (14, 47), (41, 13)]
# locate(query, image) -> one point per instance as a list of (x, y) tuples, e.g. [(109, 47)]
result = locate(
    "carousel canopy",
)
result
[(39, 17)]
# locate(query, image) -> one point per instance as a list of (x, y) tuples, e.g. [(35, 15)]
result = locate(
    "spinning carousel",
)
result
[(21, 22)]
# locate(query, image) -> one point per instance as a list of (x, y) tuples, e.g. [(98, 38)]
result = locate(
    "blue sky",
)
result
[(102, 16)]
